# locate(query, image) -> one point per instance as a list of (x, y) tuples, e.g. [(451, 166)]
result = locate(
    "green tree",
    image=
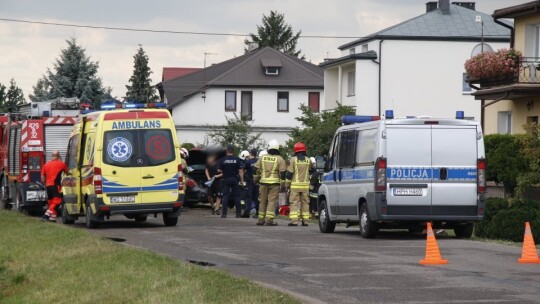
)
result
[(237, 131), (10, 99), (140, 87), (276, 33), (530, 149), (317, 130), (41, 91), (2, 97), (74, 75)]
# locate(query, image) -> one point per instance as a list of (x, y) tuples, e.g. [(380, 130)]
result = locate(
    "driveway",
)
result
[(340, 267)]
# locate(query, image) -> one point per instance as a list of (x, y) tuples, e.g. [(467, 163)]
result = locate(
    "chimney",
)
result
[(444, 6), (431, 6), (469, 5)]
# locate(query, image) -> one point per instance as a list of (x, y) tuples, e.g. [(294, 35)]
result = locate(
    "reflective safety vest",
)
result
[(300, 174), (269, 170)]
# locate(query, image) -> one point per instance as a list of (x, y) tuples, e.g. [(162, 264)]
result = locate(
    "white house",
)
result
[(265, 85), (415, 67)]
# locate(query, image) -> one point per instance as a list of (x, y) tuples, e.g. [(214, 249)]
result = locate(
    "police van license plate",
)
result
[(407, 192), (122, 199)]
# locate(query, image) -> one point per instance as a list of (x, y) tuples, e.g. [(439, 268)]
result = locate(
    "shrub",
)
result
[(505, 162), (504, 220)]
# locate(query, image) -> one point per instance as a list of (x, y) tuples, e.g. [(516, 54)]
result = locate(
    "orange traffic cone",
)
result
[(433, 255), (528, 254)]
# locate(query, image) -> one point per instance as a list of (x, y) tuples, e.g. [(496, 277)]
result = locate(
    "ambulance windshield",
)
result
[(138, 148)]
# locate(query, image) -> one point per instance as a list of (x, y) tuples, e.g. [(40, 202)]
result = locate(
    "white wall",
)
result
[(193, 116), (418, 78), (330, 87)]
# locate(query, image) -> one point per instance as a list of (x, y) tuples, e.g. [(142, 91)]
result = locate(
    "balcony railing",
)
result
[(528, 73)]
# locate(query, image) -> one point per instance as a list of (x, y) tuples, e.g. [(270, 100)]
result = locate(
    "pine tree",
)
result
[(14, 97), (140, 87), (2, 97), (42, 90), (73, 75), (277, 34)]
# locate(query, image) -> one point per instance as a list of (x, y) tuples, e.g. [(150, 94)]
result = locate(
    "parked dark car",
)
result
[(196, 191)]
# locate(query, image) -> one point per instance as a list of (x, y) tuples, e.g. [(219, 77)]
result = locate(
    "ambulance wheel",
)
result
[(66, 218), (368, 228), (141, 219), (325, 224), (90, 224), (170, 221), (464, 231)]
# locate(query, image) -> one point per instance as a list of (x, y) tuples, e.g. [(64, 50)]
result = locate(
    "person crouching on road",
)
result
[(272, 169), (214, 191), (231, 167), (298, 174), (51, 175)]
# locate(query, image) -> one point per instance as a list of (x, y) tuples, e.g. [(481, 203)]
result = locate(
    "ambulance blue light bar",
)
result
[(460, 115), (353, 119), (112, 106)]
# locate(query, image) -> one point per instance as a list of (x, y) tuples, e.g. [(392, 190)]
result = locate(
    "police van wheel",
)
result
[(66, 219), (90, 224), (368, 228), (464, 231), (325, 225), (170, 221)]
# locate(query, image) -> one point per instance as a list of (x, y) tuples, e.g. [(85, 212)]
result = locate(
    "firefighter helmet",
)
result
[(244, 154), (273, 145), (299, 147), (184, 152)]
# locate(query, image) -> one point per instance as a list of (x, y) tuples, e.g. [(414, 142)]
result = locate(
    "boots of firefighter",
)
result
[(293, 223), (305, 223), (270, 223), (260, 221)]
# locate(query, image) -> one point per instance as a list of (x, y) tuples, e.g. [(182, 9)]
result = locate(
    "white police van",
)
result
[(403, 172)]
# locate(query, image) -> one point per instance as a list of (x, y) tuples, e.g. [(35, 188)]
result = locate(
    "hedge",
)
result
[(505, 219)]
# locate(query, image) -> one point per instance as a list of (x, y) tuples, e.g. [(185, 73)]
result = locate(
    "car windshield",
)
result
[(138, 148)]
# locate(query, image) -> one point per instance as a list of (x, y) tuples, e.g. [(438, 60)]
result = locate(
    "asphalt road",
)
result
[(340, 267)]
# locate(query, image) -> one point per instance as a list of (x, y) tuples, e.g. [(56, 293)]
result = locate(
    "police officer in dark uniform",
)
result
[(232, 169)]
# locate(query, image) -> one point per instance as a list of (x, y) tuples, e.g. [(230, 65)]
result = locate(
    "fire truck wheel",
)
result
[(90, 224), (66, 219)]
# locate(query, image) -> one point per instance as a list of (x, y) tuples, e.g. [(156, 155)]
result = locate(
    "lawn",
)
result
[(51, 263)]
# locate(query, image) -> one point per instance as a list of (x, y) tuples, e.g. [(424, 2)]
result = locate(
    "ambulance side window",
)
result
[(71, 159)]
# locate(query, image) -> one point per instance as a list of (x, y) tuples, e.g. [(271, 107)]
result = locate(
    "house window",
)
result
[(230, 101), (247, 105), (283, 101), (314, 99), (272, 71), (465, 87), (352, 51), (364, 48), (351, 83), (504, 122)]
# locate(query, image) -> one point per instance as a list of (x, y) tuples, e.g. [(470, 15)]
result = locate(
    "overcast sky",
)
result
[(26, 50)]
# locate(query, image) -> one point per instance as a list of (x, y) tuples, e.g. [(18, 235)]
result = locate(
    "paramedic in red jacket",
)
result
[(51, 175)]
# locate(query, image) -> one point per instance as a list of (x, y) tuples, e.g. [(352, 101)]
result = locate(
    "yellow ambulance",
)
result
[(123, 161)]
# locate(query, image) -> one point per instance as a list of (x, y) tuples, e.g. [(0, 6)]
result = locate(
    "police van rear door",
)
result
[(454, 160), (408, 153)]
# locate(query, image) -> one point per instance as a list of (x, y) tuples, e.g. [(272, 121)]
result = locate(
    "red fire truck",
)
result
[(25, 146)]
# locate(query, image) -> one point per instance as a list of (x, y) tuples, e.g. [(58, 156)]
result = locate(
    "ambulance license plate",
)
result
[(122, 199), (407, 192), (33, 196)]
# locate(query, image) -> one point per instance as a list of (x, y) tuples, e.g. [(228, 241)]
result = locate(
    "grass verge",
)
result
[(49, 263)]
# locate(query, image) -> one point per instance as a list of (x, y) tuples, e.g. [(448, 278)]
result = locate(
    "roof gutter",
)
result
[(511, 28), (380, 75)]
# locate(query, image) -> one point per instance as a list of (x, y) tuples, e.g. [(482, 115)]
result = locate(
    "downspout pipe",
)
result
[(511, 28), (380, 75)]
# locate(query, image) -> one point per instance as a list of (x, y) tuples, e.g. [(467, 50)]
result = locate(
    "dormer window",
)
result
[(271, 66), (273, 71)]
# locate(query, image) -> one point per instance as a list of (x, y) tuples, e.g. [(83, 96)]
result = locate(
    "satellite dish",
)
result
[(478, 49)]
